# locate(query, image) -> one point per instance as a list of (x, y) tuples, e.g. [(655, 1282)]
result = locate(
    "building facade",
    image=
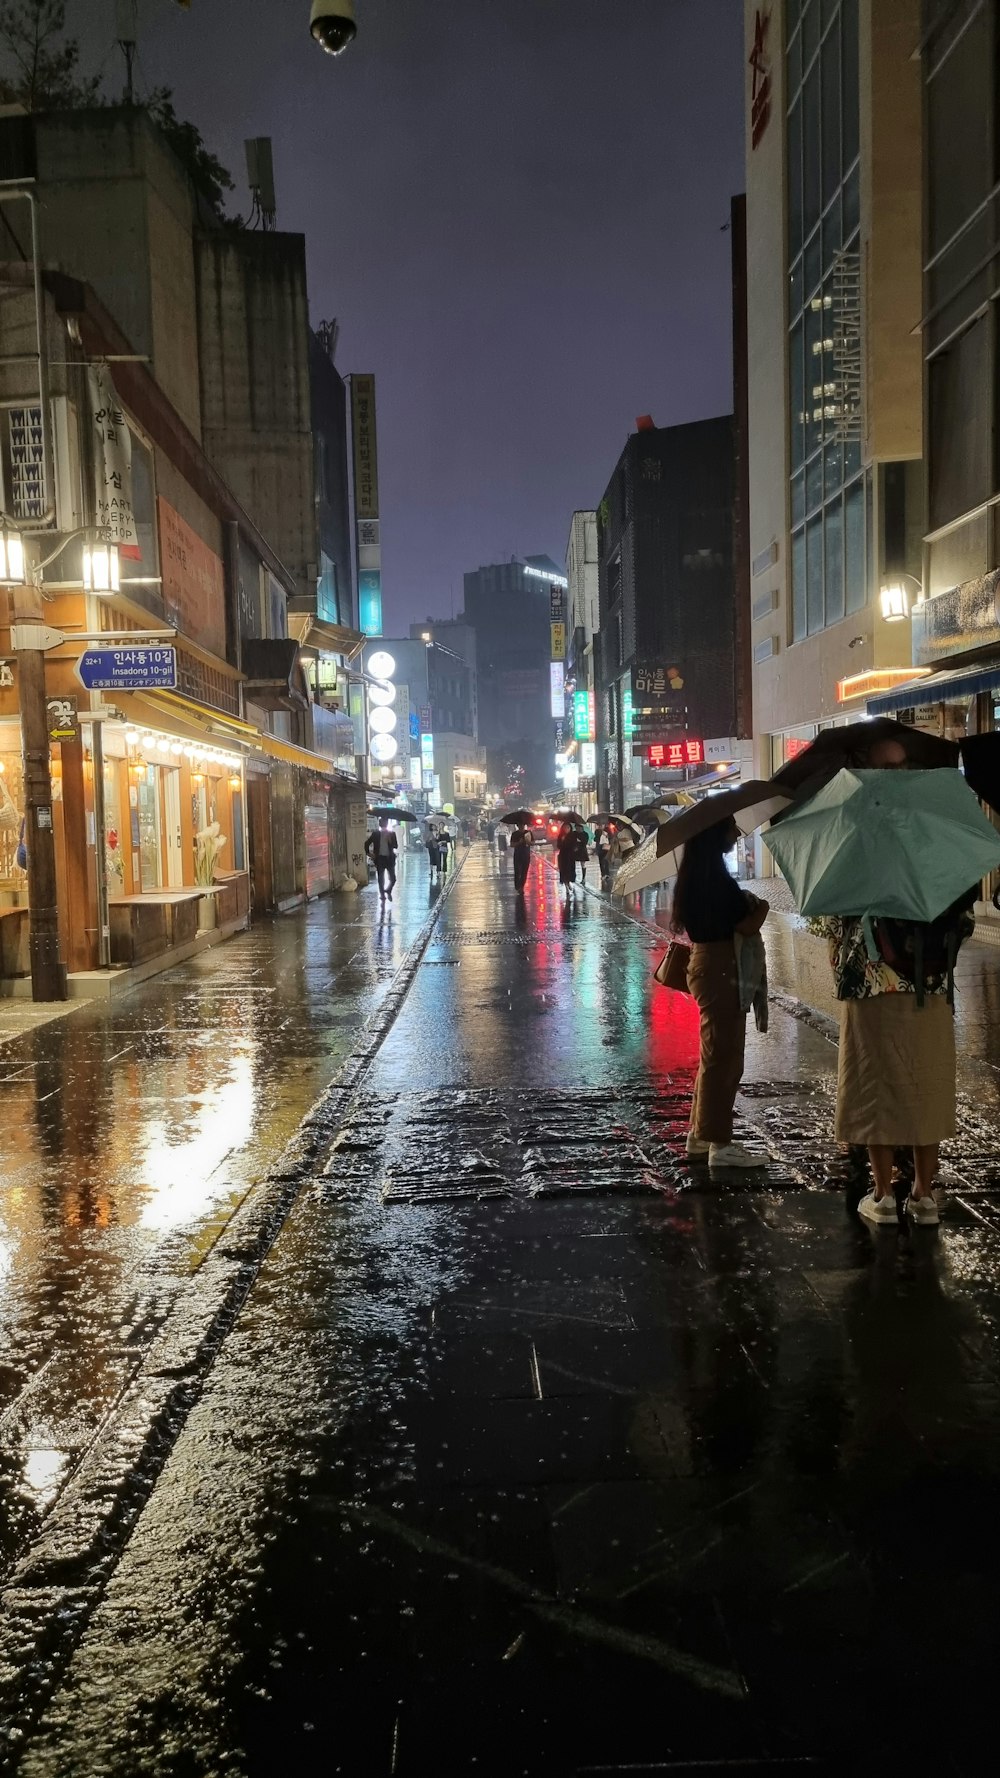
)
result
[(665, 656), (833, 222), (507, 604), (955, 689)]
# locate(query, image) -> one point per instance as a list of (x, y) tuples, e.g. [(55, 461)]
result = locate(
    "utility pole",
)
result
[(29, 636)]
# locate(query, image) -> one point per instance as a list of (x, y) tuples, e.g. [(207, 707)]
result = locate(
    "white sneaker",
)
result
[(695, 1146), (875, 1209), (731, 1154), (922, 1210)]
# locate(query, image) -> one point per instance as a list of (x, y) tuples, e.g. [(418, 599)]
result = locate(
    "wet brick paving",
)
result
[(533, 1451)]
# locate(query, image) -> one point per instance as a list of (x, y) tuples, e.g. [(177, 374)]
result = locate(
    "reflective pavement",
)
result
[(531, 1450)]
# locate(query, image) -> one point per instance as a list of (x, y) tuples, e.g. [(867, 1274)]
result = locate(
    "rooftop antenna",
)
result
[(260, 178), (127, 34)]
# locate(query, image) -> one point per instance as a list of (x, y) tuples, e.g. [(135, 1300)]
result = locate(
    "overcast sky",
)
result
[(515, 208)]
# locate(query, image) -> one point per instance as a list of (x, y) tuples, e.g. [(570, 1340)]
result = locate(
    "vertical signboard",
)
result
[(369, 545), (557, 695)]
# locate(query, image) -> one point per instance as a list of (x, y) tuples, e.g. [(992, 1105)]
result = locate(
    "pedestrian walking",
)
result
[(602, 846), (382, 846), (521, 847), (434, 852), (566, 857), (582, 853), (445, 843), (715, 912), (502, 840), (896, 1061)]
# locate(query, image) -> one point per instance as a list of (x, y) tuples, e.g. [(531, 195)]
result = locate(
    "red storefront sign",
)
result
[(672, 755)]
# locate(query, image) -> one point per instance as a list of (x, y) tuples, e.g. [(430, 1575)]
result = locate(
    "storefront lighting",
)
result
[(381, 664), (235, 782), (176, 748), (895, 602), (382, 721), (149, 741), (100, 567), (382, 694), (11, 557), (131, 737)]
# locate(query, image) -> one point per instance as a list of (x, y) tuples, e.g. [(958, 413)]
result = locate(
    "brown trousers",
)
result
[(712, 980)]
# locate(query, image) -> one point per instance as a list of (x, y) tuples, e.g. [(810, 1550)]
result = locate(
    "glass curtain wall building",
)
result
[(827, 496)]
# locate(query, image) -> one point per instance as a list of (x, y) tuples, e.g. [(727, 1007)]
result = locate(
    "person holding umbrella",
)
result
[(382, 846), (712, 909), (520, 840), (893, 975), (566, 856)]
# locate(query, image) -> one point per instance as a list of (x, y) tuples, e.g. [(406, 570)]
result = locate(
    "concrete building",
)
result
[(956, 605), (833, 217), (218, 320), (458, 638), (665, 656)]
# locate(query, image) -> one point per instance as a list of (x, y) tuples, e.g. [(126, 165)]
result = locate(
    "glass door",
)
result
[(150, 857)]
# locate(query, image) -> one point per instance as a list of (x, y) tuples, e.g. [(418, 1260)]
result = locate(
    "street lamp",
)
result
[(101, 572), (11, 556), (895, 600)]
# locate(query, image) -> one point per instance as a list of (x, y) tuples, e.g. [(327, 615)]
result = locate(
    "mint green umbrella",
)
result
[(900, 844)]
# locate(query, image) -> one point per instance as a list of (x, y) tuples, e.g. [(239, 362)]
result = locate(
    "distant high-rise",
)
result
[(507, 604)]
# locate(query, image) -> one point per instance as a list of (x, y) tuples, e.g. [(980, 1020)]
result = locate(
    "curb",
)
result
[(53, 1589)]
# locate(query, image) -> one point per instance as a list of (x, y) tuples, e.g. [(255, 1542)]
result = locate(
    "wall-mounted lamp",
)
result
[(11, 557), (100, 567), (895, 602)]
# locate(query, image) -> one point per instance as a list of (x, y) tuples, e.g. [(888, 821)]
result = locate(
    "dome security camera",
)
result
[(333, 24)]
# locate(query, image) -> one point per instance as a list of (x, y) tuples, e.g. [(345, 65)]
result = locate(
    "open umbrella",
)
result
[(518, 817), (605, 818), (903, 845), (658, 858), (570, 815), (393, 814)]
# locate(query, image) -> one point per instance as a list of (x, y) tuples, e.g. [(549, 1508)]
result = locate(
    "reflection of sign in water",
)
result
[(128, 669)]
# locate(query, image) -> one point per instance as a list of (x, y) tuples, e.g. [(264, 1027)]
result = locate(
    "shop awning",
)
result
[(301, 756), (271, 664), (938, 688), (311, 631), (174, 703)]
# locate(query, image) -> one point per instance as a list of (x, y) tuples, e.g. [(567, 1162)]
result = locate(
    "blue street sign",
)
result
[(128, 669)]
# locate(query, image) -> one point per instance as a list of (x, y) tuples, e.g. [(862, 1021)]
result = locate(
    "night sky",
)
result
[(516, 210)]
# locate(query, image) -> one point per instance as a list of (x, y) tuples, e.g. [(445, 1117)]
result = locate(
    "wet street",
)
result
[(382, 1392)]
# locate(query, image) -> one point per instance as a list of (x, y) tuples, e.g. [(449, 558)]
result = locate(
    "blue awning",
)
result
[(938, 688)]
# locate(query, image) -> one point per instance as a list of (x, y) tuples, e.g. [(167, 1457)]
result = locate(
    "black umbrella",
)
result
[(606, 816), (571, 816), (518, 817), (393, 814)]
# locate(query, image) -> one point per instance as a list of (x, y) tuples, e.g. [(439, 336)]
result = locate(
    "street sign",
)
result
[(62, 719), (128, 669)]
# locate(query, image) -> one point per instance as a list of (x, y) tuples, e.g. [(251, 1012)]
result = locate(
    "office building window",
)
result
[(824, 390)]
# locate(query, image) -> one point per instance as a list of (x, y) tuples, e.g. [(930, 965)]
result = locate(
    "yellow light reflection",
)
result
[(177, 1163)]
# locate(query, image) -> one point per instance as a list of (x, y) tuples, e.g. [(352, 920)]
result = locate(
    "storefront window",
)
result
[(13, 876)]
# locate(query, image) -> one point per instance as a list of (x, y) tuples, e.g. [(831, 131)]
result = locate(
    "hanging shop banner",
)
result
[(112, 462), (557, 604), (370, 601), (588, 759), (365, 447), (557, 695), (558, 650), (194, 581)]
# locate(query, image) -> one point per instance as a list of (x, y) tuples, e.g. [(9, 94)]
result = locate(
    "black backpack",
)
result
[(921, 949)]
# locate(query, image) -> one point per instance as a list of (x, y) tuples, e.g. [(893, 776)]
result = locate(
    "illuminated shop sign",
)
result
[(557, 693), (669, 755)]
